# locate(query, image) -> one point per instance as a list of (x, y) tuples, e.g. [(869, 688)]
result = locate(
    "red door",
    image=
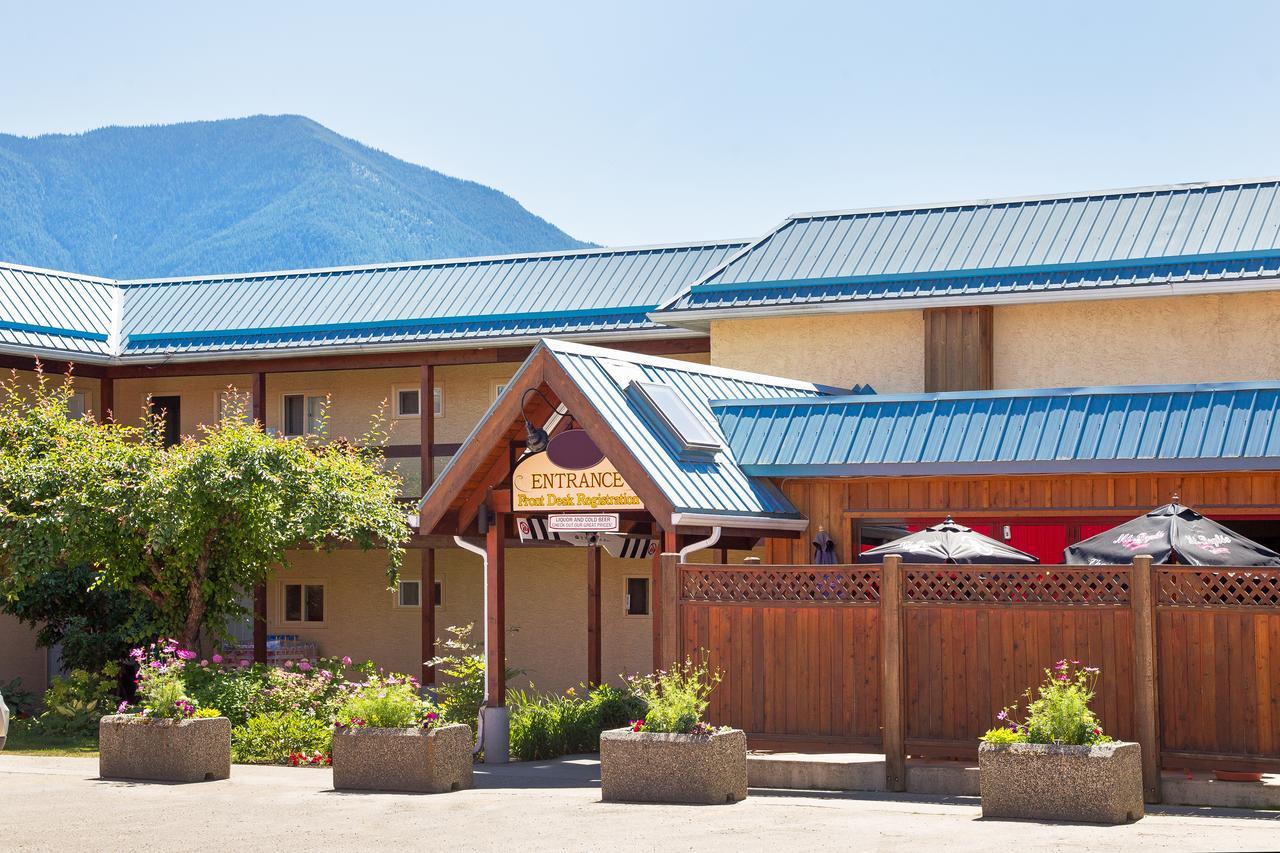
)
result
[(1045, 541)]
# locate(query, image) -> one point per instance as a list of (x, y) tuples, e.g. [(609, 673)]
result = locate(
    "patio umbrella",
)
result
[(824, 549), (948, 542), (1171, 533)]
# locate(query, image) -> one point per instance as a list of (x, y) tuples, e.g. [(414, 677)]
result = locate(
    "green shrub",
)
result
[(460, 695), (21, 702), (544, 727), (1057, 712), (273, 738), (676, 699), (75, 702), (383, 705), (228, 689)]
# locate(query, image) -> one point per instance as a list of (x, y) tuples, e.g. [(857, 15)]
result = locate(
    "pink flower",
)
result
[(217, 658), (1003, 715), (304, 666), (346, 661), (288, 664), (186, 655), (244, 663), (204, 663), (122, 707)]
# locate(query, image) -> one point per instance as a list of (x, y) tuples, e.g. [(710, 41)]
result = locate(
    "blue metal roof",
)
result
[(1194, 232), (719, 487), (55, 312), (1212, 427), (576, 292)]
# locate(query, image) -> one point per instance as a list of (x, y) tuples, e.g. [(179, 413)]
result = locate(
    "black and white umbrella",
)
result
[(1171, 533), (948, 542)]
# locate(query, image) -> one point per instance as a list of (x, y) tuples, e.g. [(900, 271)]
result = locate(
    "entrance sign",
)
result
[(581, 479), (602, 522)]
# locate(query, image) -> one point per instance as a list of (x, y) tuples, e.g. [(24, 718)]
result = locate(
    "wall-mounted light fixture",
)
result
[(535, 437)]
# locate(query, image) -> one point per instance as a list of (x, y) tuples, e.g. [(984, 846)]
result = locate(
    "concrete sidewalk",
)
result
[(60, 804)]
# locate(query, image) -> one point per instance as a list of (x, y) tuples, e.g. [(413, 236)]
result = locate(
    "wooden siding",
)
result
[(836, 503), (957, 349)]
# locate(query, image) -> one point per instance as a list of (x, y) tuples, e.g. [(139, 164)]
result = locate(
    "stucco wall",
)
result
[(546, 611), (884, 349), (1138, 341), (20, 657)]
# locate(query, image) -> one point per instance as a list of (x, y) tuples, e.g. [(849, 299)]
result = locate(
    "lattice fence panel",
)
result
[(809, 583), (961, 585), (1212, 588)]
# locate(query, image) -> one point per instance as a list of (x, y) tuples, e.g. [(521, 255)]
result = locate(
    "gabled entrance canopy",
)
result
[(595, 389)]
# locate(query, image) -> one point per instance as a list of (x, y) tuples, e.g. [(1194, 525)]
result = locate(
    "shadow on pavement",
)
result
[(572, 771)]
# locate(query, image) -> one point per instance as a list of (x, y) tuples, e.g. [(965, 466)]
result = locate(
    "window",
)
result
[(408, 404), (233, 405), (437, 401), (409, 594), (637, 602), (304, 414), (663, 406), (304, 602), (77, 405), (169, 410), (498, 388)]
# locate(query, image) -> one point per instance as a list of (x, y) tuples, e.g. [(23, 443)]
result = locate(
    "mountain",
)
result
[(238, 195)]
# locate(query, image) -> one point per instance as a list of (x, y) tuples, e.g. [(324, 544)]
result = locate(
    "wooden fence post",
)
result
[(893, 711), (1143, 594), (669, 613)]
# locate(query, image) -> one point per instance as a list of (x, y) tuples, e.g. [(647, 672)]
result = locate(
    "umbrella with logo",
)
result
[(1171, 533), (948, 542)]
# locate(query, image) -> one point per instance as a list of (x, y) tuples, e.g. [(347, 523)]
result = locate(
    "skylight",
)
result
[(664, 406)]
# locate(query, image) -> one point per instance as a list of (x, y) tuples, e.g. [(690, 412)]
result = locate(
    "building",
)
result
[(1040, 368)]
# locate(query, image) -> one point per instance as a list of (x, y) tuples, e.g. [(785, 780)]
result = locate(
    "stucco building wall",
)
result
[(1232, 337), (884, 349), (546, 611), (20, 657)]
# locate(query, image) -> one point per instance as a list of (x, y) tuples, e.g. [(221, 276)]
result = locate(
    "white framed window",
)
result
[(302, 603), (437, 401), (303, 414), (408, 403), (233, 405), (636, 600), (496, 390), (77, 405), (409, 593)]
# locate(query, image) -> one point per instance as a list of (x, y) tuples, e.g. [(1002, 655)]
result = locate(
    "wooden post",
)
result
[(496, 647), (258, 402), (1146, 712), (669, 546), (260, 623), (426, 455), (669, 569), (593, 615), (106, 398), (258, 398), (892, 701)]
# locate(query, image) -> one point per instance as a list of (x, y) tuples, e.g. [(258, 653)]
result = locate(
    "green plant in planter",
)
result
[(1056, 712), (676, 698)]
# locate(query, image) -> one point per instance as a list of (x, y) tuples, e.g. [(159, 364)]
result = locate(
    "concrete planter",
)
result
[(649, 767), (425, 761), (1088, 784), (131, 747)]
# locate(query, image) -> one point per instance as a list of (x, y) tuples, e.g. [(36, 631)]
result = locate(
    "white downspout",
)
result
[(484, 596), (709, 542)]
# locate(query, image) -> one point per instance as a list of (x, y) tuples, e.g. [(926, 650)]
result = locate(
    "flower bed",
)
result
[(673, 755), (1057, 764), (195, 749)]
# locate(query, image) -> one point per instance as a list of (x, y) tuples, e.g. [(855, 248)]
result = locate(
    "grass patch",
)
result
[(24, 739)]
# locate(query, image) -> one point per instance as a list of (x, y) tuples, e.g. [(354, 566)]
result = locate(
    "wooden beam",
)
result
[(892, 654), (669, 609), (52, 366), (495, 603), (427, 599), (260, 622), (258, 398), (426, 455), (593, 615), (1146, 709), (106, 399), (427, 425), (670, 545)]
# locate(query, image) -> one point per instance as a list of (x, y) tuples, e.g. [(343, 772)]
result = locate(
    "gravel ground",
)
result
[(61, 804)]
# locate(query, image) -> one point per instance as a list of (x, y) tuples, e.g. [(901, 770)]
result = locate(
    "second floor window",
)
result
[(303, 414), (409, 402)]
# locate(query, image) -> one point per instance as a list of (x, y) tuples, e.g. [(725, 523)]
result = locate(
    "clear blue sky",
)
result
[(629, 123)]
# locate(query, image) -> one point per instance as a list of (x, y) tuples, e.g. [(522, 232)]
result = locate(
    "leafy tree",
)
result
[(188, 529)]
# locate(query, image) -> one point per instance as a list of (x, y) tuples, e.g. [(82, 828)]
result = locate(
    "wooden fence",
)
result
[(917, 660)]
